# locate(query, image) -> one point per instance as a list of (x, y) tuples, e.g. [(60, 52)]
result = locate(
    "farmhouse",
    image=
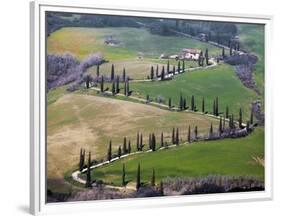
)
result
[(191, 54), (111, 41)]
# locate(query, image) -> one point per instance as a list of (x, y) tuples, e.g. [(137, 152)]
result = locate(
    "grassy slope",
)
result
[(80, 121), (252, 38), (226, 157), (82, 41), (220, 81)]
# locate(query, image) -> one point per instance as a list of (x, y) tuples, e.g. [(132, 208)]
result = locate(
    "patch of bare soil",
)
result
[(258, 160)]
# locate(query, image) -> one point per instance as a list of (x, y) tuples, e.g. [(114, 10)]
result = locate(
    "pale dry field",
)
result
[(81, 121)]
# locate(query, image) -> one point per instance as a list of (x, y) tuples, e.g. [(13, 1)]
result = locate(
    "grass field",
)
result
[(82, 41), (228, 157), (220, 81), (77, 121)]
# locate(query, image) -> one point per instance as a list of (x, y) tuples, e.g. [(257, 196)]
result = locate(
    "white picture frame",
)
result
[(38, 203)]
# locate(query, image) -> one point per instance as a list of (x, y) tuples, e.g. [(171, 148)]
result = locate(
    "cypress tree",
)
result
[(138, 141), (189, 135), (211, 131), (248, 126), (147, 98), (170, 103), (125, 145), (88, 178), (174, 70), (201, 59), (196, 132), (157, 71), (203, 105), (153, 178), (138, 183), (117, 84), (168, 67), (109, 152), (192, 103), (123, 175), (181, 102), (162, 140), (83, 159), (223, 123), (230, 51), (184, 104), (226, 112), (252, 117), (113, 90), (223, 53), (112, 72), (81, 165), (125, 88), (220, 126), (119, 152), (183, 66), (87, 82), (124, 75), (173, 136), (179, 67), (207, 57), (240, 118), (177, 137), (161, 188), (214, 107), (153, 142), (101, 84), (141, 145), (150, 141), (152, 73), (98, 70), (163, 73), (230, 122), (217, 106), (129, 147)]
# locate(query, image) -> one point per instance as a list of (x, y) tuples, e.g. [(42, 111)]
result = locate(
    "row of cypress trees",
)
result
[(155, 73), (152, 145)]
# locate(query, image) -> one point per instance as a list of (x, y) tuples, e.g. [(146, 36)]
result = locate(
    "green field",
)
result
[(220, 81), (230, 157), (83, 41)]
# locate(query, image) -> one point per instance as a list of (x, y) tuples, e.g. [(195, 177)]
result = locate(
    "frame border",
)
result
[(38, 205)]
